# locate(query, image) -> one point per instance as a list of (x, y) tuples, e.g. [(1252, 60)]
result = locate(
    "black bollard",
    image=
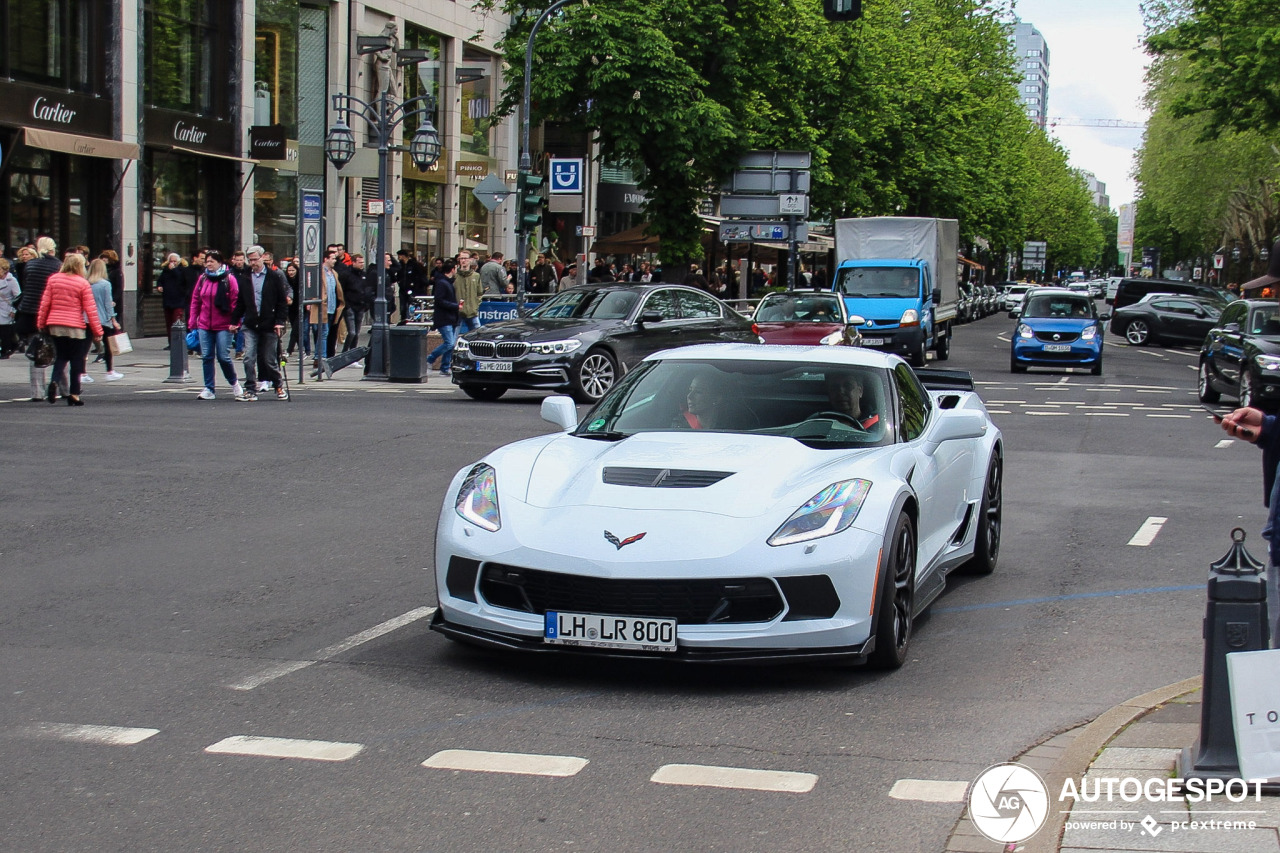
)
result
[(1235, 621), (178, 353)]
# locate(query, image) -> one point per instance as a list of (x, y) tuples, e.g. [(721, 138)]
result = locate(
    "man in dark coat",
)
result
[(262, 310), (358, 299), (445, 319), (34, 277), (411, 279)]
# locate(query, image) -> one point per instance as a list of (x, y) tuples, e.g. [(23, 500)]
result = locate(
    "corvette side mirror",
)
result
[(559, 410)]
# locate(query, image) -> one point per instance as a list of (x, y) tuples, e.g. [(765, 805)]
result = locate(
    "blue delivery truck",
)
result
[(900, 274)]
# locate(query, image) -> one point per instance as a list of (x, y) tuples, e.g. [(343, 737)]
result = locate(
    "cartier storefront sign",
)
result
[(24, 105), (166, 128)]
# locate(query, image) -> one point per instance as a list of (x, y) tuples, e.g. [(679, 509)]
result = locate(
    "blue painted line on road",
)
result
[(1074, 596)]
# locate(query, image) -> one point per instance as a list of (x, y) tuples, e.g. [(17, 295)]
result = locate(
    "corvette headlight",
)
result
[(828, 512), (462, 347), (1267, 362), (910, 317), (477, 500), (1024, 332), (555, 347), (1089, 333)]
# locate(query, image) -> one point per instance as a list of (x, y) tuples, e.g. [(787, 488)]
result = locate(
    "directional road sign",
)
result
[(767, 181), (749, 205), (491, 192), (566, 175), (775, 160), (744, 231), (793, 204)]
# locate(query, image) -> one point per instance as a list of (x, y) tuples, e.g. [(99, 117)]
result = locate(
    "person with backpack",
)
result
[(213, 303)]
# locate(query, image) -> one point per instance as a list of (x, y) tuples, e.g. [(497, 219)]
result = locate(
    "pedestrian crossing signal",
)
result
[(842, 10)]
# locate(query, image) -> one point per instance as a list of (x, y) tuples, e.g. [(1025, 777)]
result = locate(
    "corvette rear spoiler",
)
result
[(945, 378)]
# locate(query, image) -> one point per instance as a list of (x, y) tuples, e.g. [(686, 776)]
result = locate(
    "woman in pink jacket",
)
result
[(69, 316), (213, 303)]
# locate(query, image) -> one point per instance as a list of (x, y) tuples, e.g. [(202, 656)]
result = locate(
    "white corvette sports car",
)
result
[(728, 502)]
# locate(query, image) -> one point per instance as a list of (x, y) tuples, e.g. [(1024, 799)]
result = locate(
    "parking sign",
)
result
[(566, 175)]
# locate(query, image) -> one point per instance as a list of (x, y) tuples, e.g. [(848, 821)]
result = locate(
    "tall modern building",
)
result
[(1032, 56), (1097, 189)]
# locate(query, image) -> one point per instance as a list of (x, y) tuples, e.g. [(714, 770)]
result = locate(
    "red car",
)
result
[(806, 318)]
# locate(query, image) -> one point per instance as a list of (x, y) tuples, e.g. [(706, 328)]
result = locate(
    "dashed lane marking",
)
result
[(700, 775), (1064, 414), (283, 669), (929, 790), (1182, 417), (1106, 414), (1147, 532), (1226, 442), (280, 747), (524, 764), (103, 735)]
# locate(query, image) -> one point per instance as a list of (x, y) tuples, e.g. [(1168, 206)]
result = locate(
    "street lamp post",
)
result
[(383, 116), (526, 162)]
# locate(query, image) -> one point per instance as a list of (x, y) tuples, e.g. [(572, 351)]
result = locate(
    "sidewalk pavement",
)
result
[(147, 368), (1140, 738)]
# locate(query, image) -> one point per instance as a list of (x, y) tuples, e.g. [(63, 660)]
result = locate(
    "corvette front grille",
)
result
[(714, 601)]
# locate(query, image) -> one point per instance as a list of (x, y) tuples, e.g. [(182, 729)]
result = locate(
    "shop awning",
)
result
[(633, 241), (85, 146), (968, 263), (200, 153)]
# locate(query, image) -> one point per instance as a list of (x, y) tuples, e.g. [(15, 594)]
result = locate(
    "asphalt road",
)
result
[(220, 570)]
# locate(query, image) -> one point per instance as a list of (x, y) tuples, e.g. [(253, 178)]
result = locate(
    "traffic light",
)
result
[(529, 209), (842, 10)]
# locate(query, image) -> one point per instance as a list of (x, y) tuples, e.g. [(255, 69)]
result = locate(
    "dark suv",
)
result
[(1132, 290)]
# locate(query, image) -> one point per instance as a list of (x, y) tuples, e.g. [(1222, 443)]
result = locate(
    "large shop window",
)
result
[(189, 45), (423, 219), (424, 78), (275, 67), (54, 42), (477, 102), (474, 223)]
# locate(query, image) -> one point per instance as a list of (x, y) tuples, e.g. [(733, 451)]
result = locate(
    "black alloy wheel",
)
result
[(1246, 389), (942, 350), (594, 376), (1014, 367), (986, 546), (1204, 388), (1096, 369), (1138, 333), (895, 608)]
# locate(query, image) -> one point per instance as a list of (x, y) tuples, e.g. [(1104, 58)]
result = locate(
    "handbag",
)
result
[(193, 339), (40, 350), (120, 343)]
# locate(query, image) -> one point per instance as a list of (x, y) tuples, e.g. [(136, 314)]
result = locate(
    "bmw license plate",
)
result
[(634, 633), (493, 366), (873, 342), (1057, 347)]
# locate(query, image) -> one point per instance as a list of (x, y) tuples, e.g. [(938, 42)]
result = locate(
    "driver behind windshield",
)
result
[(703, 401), (845, 392)]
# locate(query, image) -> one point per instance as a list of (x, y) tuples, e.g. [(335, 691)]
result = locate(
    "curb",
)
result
[(1070, 754)]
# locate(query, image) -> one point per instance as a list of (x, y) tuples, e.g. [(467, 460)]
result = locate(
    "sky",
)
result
[(1096, 68)]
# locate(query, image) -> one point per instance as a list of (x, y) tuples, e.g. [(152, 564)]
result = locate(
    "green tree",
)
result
[(912, 110), (1058, 208), (1230, 48)]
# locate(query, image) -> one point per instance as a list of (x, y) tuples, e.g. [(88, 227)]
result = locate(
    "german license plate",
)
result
[(873, 342), (634, 633), (1057, 347), (493, 366)]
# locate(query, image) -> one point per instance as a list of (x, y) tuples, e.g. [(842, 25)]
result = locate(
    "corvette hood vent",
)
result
[(662, 478)]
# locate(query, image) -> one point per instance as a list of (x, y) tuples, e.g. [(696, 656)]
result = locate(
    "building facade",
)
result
[(158, 126), (1031, 53)]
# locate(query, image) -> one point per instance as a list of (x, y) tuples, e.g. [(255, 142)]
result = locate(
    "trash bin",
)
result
[(408, 350)]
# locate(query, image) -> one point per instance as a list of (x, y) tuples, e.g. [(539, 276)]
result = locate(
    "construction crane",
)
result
[(1092, 122)]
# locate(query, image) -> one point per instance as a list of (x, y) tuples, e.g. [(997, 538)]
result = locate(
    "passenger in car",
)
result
[(845, 392), (702, 405)]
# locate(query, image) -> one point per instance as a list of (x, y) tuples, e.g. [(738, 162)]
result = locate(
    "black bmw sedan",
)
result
[(1240, 356), (584, 339)]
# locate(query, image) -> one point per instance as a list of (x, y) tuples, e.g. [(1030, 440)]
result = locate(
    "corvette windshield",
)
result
[(592, 304), (882, 282), (818, 404)]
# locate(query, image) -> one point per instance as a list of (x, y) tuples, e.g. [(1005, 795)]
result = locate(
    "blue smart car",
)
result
[(1057, 328)]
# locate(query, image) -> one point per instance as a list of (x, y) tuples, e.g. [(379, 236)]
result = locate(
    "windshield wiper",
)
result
[(608, 435)]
